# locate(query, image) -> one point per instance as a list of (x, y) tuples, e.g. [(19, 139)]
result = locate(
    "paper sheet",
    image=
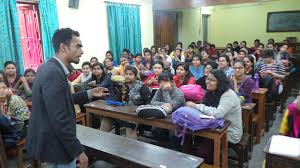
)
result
[(283, 145)]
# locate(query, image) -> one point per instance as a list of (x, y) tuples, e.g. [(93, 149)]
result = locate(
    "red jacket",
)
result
[(178, 82)]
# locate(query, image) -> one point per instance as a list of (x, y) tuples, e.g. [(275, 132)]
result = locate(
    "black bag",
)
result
[(151, 112)]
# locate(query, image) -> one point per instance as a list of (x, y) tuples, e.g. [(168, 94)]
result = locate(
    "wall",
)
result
[(90, 20), (189, 26), (247, 22)]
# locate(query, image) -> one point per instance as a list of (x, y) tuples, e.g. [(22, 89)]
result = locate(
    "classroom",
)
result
[(149, 83)]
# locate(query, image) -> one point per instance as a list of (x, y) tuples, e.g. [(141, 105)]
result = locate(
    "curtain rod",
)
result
[(121, 3), (28, 1)]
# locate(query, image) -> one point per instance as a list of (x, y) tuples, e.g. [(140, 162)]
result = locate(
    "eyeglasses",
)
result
[(211, 80), (238, 68)]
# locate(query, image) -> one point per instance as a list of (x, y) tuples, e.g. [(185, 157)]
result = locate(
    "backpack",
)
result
[(151, 112), (190, 119), (193, 92)]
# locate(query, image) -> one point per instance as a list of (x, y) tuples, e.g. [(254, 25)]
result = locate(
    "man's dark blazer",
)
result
[(52, 125)]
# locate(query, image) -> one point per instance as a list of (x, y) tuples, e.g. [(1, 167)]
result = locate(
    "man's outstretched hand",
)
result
[(99, 92)]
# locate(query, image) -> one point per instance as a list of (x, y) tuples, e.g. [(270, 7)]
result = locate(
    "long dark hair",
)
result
[(212, 98), (103, 72), (188, 75)]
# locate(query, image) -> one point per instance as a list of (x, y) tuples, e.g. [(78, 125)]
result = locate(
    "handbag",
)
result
[(151, 112)]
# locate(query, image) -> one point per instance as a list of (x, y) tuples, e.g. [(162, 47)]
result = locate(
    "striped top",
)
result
[(277, 67)]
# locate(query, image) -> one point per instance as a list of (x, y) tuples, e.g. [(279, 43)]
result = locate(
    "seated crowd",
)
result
[(155, 77)]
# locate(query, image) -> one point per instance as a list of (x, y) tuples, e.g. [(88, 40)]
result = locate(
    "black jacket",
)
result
[(52, 125)]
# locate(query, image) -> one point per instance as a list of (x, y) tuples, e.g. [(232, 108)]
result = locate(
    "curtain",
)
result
[(124, 28), (10, 45), (49, 23)]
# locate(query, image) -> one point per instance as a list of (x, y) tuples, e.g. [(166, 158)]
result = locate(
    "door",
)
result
[(205, 22), (165, 28), (30, 33)]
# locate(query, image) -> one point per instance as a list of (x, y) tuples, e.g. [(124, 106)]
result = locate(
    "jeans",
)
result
[(71, 164)]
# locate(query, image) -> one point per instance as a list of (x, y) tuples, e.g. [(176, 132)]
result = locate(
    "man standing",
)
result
[(52, 126)]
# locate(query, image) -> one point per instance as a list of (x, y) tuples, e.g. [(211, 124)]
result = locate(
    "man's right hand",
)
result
[(83, 160)]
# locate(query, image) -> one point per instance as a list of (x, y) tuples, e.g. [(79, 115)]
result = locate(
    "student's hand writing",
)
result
[(99, 92)]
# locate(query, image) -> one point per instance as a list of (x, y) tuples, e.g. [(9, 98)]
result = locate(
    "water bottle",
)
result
[(256, 78)]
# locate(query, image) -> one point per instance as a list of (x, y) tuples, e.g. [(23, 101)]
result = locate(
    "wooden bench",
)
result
[(134, 153), (248, 122), (259, 96), (127, 113)]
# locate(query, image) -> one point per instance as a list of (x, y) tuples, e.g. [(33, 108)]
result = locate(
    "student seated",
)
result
[(221, 102), (183, 75), (138, 59), (110, 56), (11, 77), (26, 83), (177, 58), (189, 53), (123, 63), (13, 108), (197, 69), (109, 66), (148, 61), (137, 93), (168, 95), (93, 60), (99, 77), (241, 55), (283, 55), (152, 80), (224, 65), (240, 83), (249, 66), (202, 81), (85, 75), (205, 56), (290, 125)]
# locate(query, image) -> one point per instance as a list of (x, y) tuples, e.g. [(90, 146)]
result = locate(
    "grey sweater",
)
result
[(229, 109), (174, 97)]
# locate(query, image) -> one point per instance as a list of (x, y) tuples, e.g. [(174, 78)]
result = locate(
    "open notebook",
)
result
[(283, 145)]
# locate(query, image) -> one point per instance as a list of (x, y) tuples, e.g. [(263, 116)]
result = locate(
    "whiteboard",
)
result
[(287, 21)]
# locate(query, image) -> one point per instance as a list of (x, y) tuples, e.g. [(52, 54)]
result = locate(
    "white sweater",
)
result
[(229, 109)]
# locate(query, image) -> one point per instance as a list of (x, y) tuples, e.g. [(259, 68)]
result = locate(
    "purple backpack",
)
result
[(190, 118)]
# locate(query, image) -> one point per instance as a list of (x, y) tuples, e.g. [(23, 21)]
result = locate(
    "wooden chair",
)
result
[(81, 118), (242, 149)]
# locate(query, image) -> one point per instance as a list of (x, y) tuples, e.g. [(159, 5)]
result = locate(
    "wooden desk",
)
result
[(81, 118), (260, 96), (127, 113), (136, 152), (247, 115), (280, 161)]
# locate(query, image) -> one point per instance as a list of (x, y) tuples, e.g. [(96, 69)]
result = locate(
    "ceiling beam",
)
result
[(182, 4)]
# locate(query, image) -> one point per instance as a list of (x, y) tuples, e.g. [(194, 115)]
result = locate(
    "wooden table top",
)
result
[(135, 151), (130, 110), (248, 106), (260, 91)]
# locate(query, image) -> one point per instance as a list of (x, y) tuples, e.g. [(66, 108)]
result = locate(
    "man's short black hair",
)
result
[(63, 35)]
